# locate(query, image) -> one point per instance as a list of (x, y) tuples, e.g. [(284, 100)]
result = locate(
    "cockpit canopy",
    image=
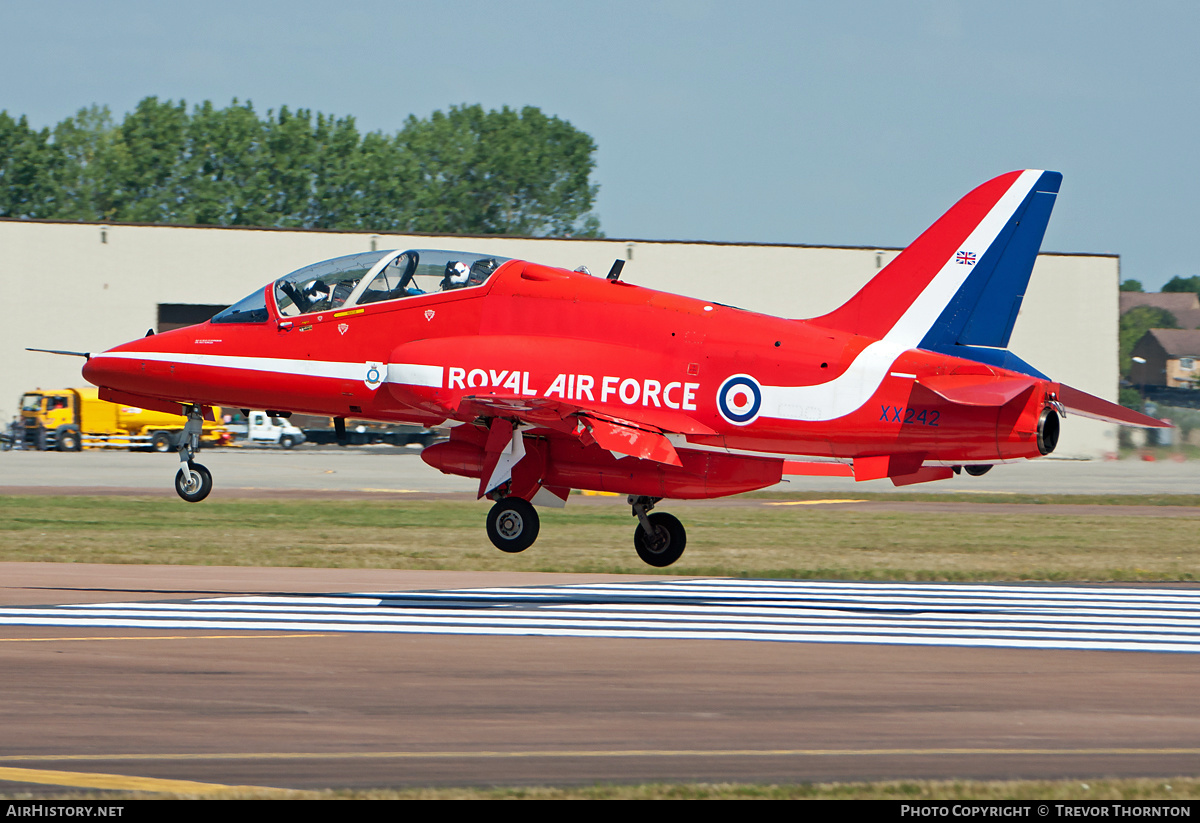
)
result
[(369, 277)]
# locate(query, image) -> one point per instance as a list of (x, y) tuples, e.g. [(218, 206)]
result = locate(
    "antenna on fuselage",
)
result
[(615, 272)]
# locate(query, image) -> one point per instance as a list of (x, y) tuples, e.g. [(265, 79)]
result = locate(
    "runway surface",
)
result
[(137, 677), (1030, 617)]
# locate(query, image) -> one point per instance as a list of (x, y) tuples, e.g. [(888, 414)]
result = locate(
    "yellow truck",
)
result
[(74, 419)]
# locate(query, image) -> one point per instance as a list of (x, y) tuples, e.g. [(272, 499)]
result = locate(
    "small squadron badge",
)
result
[(343, 328), (376, 374), (429, 314)]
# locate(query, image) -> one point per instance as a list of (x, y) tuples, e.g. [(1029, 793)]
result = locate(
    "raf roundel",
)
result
[(740, 399)]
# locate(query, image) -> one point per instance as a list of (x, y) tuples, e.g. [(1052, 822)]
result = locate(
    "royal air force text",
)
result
[(627, 390)]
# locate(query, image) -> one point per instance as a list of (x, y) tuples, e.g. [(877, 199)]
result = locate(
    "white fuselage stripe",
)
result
[(412, 374), (407, 373)]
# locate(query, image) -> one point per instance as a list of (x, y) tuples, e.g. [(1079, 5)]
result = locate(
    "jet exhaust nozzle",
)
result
[(1048, 430)]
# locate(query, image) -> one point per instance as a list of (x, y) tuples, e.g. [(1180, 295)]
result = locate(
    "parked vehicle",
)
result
[(73, 419), (263, 428), (323, 431)]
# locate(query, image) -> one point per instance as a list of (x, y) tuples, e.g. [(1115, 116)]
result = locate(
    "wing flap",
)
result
[(641, 435), (633, 442), (807, 468), (543, 411)]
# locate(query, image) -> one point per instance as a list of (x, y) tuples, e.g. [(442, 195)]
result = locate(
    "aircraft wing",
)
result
[(641, 434)]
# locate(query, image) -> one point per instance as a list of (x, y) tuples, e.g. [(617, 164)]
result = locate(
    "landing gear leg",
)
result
[(659, 538), (193, 482)]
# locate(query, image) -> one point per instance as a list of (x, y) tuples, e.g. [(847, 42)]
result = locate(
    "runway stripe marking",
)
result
[(119, 782), (563, 753), (1000, 616)]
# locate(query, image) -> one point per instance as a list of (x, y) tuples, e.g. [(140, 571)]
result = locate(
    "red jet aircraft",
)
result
[(556, 380)]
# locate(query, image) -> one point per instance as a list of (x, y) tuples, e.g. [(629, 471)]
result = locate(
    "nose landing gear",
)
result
[(193, 482)]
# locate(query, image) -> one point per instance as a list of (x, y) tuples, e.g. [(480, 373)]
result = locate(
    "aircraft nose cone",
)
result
[(93, 371), (110, 370)]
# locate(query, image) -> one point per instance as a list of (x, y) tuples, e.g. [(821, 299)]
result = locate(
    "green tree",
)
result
[(312, 170), (1130, 398), (1134, 325), (86, 143), (500, 172), (465, 171), (1181, 284), (385, 182), (337, 195), (28, 164), (150, 181), (1131, 285), (225, 161)]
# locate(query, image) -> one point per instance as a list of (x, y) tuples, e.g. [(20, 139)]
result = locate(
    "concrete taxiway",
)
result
[(400, 471)]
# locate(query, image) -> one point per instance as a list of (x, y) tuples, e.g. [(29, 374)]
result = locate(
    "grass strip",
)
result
[(801, 542)]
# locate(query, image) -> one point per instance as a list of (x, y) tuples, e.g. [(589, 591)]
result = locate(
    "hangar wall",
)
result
[(88, 287)]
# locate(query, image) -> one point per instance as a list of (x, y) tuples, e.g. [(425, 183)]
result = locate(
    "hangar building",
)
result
[(89, 286)]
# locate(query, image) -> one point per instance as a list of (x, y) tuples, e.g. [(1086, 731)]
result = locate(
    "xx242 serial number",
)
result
[(909, 415)]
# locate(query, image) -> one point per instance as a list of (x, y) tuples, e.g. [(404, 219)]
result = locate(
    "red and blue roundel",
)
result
[(740, 399)]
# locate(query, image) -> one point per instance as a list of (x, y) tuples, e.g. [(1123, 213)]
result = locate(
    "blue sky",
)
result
[(850, 123)]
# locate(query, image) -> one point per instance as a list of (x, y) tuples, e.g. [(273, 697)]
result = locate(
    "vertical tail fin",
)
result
[(959, 286)]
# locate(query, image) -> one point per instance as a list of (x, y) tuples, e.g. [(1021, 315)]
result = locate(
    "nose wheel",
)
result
[(512, 525), (193, 482)]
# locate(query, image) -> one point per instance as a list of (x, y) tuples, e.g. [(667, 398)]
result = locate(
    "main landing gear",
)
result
[(659, 538), (513, 525), (975, 471), (193, 482)]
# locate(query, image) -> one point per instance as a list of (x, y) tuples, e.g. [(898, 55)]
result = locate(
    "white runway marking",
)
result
[(1042, 617)]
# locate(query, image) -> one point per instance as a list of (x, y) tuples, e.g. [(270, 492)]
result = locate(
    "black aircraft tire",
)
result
[(978, 471), (513, 525), (193, 483), (669, 545)]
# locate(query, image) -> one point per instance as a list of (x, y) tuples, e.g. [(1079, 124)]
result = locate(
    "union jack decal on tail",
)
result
[(967, 257)]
